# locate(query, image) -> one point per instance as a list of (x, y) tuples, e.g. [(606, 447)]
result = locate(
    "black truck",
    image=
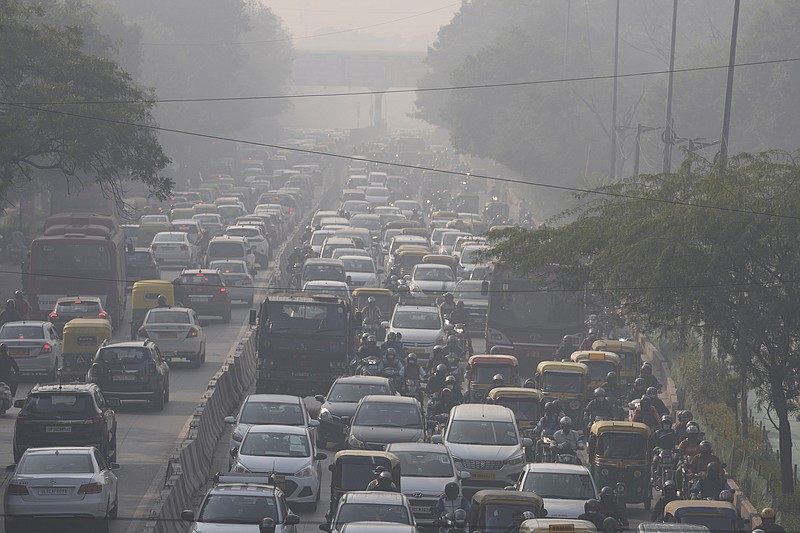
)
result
[(304, 342)]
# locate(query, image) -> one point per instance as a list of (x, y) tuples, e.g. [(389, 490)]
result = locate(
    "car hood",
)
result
[(341, 408), (482, 452), (558, 508), (433, 285), (427, 486), (386, 435), (419, 335), (284, 465), (230, 528), (361, 276)]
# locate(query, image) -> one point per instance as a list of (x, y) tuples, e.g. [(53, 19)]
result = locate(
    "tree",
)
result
[(694, 250), (47, 120)]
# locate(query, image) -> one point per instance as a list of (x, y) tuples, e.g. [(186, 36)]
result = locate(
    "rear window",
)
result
[(140, 259), (229, 268), (169, 237), (57, 463), (78, 306), (201, 279), (21, 332), (167, 317), (242, 232), (122, 355), (225, 249), (329, 272), (59, 403)]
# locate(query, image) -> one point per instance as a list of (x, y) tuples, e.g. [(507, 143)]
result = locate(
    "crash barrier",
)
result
[(739, 463)]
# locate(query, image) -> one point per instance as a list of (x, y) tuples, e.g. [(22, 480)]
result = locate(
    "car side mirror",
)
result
[(510, 487), (321, 456), (385, 324), (187, 515), (114, 403), (436, 439), (330, 468), (349, 280), (19, 404), (320, 398), (11, 468), (527, 442), (234, 452), (291, 520), (313, 423), (252, 317), (345, 420), (230, 419), (115, 466), (267, 525), (484, 288)]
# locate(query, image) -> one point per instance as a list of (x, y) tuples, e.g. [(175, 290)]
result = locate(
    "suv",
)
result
[(230, 247), (204, 291), (131, 370), (69, 414)]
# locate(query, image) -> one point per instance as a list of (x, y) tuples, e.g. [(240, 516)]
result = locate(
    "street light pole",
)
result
[(613, 173), (668, 133), (726, 119)]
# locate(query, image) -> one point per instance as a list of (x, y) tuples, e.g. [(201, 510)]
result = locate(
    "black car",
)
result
[(131, 370), (342, 401), (72, 414), (141, 264), (71, 307), (204, 291)]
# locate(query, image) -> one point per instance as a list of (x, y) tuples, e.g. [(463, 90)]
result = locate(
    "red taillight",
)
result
[(223, 289), (90, 488), (17, 490), (53, 315), (46, 348), (101, 314), (143, 332), (291, 211), (192, 333)]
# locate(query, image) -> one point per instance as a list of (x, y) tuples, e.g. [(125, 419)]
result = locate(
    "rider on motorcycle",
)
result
[(664, 437), (371, 315), (436, 381), (23, 307), (162, 301), (393, 341), (648, 377), (668, 494), (680, 426), (369, 347), (436, 359), (448, 305), (453, 348), (567, 438), (689, 446), (451, 383), (9, 370), (383, 481), (459, 315), (411, 370), (497, 381), (566, 347), (442, 404), (591, 513), (700, 462), (548, 424), (609, 507), (646, 413), (598, 407), (711, 482), (10, 313), (450, 501), (389, 361), (639, 390), (612, 387), (296, 257), (586, 344), (656, 402)]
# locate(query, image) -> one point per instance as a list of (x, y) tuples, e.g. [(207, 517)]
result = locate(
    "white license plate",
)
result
[(123, 377), (199, 298), (54, 491), (58, 429), (169, 335), (169, 354), (421, 510)]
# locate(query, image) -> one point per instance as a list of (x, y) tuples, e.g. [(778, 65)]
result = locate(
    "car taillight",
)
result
[(17, 490), (291, 211), (90, 488), (143, 332), (53, 316), (46, 348), (223, 289), (101, 314), (192, 333)]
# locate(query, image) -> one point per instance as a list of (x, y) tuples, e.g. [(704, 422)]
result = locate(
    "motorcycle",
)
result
[(448, 524), (453, 367), (412, 389), (390, 373), (438, 423), (6, 398), (463, 339), (565, 454), (369, 366), (664, 469), (295, 275)]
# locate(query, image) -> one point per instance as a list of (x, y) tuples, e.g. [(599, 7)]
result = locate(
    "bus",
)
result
[(528, 319), (79, 254)]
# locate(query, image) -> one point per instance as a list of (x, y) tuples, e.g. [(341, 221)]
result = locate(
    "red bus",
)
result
[(79, 254)]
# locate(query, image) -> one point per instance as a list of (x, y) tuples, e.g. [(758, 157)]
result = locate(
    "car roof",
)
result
[(163, 309), (379, 527), (229, 238), (127, 344), (480, 411), (39, 323), (269, 428), (469, 282), (193, 271), (367, 380), (374, 496), (71, 298), (357, 257), (432, 266), (556, 468), (64, 387), (243, 489), (321, 261), (169, 233), (425, 308), (325, 283), (273, 398), (61, 450), (386, 398)]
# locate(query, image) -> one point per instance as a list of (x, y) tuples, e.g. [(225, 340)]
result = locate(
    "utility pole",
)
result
[(613, 173), (668, 133), (566, 39), (639, 130), (726, 119)]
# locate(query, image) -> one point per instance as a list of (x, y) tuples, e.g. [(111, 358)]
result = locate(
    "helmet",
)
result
[(392, 336), (529, 384), (297, 249), (548, 407), (606, 493), (592, 331), (3, 349), (440, 369), (438, 350), (412, 358), (528, 515), (666, 420), (670, 488), (591, 506), (713, 469), (385, 479), (365, 337), (686, 416), (451, 339), (497, 378), (449, 380), (557, 405), (399, 335), (644, 402), (600, 392), (372, 338), (647, 370), (692, 430), (162, 299), (10, 304), (451, 490), (390, 354), (19, 294), (460, 518), (726, 496), (705, 446), (652, 392), (565, 422), (639, 383), (610, 525), (611, 377), (767, 513), (371, 300), (460, 304), (446, 393), (448, 297)]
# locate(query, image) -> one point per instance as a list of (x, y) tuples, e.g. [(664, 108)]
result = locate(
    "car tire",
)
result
[(114, 512), (166, 392), (158, 400), (199, 359)]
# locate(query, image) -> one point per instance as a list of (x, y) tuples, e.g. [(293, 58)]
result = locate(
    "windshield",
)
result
[(484, 373), (62, 256), (275, 444), (417, 320), (409, 261), (388, 414), (449, 239), (250, 233), (167, 317), (229, 267), (371, 223), (324, 272), (507, 514), (307, 318), (358, 265), (482, 432), (524, 408), (207, 220), (140, 259), (230, 210), (365, 512), (562, 381), (318, 237), (237, 509), (285, 414), (376, 191), (225, 249), (329, 247), (469, 291), (59, 404), (78, 306), (321, 288), (153, 218), (201, 279), (622, 446), (57, 463), (352, 392), (122, 355), (433, 274), (598, 370), (407, 205), (470, 255), (560, 486), (713, 522), (169, 237), (425, 464), (21, 332)]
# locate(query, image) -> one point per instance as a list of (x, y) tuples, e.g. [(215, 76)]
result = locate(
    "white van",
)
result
[(231, 247)]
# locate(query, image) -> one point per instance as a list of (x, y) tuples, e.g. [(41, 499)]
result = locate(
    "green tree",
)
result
[(47, 120), (694, 250)]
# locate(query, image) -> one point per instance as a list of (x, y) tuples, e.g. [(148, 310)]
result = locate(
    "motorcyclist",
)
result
[(646, 413), (689, 446), (10, 313), (497, 381), (768, 524), (566, 347), (609, 506), (371, 315), (639, 390), (9, 370), (383, 481), (680, 426), (591, 513), (656, 402), (559, 410), (548, 424), (390, 283), (451, 383), (436, 380), (700, 462), (412, 369), (162, 301), (612, 387), (459, 315), (23, 307), (448, 305), (390, 361), (587, 342), (391, 342), (442, 403), (567, 438), (452, 348), (711, 482), (598, 407), (668, 494), (664, 437), (648, 377), (610, 525), (369, 347), (296, 257), (437, 358), (450, 501)]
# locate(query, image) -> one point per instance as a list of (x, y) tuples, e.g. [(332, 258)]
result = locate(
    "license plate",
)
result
[(169, 354), (167, 335), (421, 510), (17, 351), (482, 475), (58, 429), (418, 350), (123, 377), (199, 298), (54, 491)]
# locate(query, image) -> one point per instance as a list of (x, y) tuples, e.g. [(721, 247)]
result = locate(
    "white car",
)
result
[(318, 238), (61, 482), (177, 333), (340, 252), (448, 242), (257, 241), (238, 280), (377, 195), (174, 247), (34, 345), (265, 409), (422, 328), (288, 449), (372, 506), (326, 286), (361, 271), (431, 280), (565, 488)]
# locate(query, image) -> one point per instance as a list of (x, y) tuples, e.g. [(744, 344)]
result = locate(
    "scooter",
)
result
[(6, 398)]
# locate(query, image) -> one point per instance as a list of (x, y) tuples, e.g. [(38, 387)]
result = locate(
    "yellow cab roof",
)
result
[(492, 358), (151, 284), (557, 525), (508, 496), (561, 366), (515, 392), (700, 505), (444, 214), (594, 355), (376, 291), (87, 323), (412, 249), (616, 346), (619, 426), (439, 258)]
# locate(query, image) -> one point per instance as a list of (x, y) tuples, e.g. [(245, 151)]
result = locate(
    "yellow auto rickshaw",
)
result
[(206, 209), (181, 213), (630, 358), (354, 469), (619, 457), (81, 339), (715, 515), (409, 256), (145, 296), (501, 510), (554, 525), (565, 381), (420, 232), (441, 259), (599, 363), (444, 215), (148, 230), (482, 368)]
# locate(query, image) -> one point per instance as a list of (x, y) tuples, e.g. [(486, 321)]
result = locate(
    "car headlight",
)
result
[(516, 460), (458, 460), (237, 435), (306, 472), (239, 468), (324, 414), (355, 443)]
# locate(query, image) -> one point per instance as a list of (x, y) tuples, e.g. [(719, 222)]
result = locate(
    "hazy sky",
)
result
[(374, 23)]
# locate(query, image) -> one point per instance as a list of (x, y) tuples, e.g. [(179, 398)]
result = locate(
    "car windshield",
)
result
[(358, 265), (78, 306), (482, 432), (375, 512), (326, 272), (207, 219), (307, 318), (449, 239), (285, 414), (58, 404), (229, 267), (484, 373), (225, 249), (56, 463), (388, 414), (139, 259), (417, 320), (242, 232), (562, 381), (524, 408), (169, 237), (714, 522), (407, 205), (598, 370), (318, 237), (122, 355), (469, 291), (353, 392), (167, 317), (433, 274), (621, 446), (275, 444), (376, 191), (507, 514), (321, 288), (560, 486), (238, 509), (21, 332), (425, 464), (153, 218), (470, 255), (371, 223)]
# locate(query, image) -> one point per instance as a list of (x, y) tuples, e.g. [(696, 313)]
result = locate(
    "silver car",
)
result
[(177, 333), (431, 280), (373, 506), (62, 482), (237, 279), (270, 409), (174, 247), (34, 345), (422, 328), (565, 488)]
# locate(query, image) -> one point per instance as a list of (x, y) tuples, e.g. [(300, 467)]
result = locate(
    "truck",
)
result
[(303, 342)]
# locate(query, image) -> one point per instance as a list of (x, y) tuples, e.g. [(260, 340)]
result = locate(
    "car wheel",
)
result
[(114, 512), (199, 359), (166, 392), (158, 400)]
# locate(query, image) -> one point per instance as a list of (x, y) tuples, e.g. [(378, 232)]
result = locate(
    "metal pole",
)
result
[(726, 120), (613, 173), (566, 39), (665, 168), (638, 149)]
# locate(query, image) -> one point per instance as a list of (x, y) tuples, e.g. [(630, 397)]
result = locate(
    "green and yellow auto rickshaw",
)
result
[(144, 295), (619, 457), (482, 368), (630, 358), (564, 381), (557, 525), (502, 510), (354, 469), (81, 339), (599, 364), (715, 515), (182, 213)]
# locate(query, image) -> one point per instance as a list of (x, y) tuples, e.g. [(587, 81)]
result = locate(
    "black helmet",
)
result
[(549, 407), (644, 402), (372, 338), (670, 488), (391, 354), (371, 300), (385, 479), (19, 294), (399, 335), (557, 405), (412, 358), (610, 525), (448, 297), (705, 446), (10, 304), (3, 349), (162, 299), (646, 369), (460, 518), (447, 391), (529, 384), (440, 369), (611, 377), (451, 490), (726, 496), (378, 469), (666, 419), (392, 335), (364, 337), (600, 392), (652, 392), (451, 339), (438, 350), (692, 430), (686, 416), (639, 383), (450, 380), (713, 468), (591, 506), (460, 304), (606, 493), (497, 379)]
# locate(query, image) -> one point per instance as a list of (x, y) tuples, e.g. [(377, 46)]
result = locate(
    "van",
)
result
[(231, 247)]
